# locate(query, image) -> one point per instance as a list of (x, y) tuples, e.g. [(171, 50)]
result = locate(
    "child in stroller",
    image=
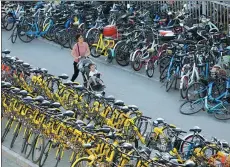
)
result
[(90, 75), (94, 76)]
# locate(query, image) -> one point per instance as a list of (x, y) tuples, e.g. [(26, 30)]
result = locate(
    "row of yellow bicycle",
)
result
[(100, 131)]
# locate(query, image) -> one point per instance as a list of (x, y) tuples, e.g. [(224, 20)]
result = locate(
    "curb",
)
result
[(16, 158)]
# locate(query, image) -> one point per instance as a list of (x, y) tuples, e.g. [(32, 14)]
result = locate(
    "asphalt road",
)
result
[(123, 83)]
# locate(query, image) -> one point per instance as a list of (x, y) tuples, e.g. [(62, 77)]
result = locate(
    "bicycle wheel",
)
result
[(14, 34), (196, 90), (7, 128), (142, 126), (92, 36), (30, 143), (45, 153), (94, 52), (223, 113), (25, 137), (59, 156), (16, 132), (184, 87), (38, 148), (83, 162), (191, 107), (109, 58), (9, 22), (23, 33), (163, 74), (149, 69), (170, 82), (63, 39), (122, 53), (137, 64)]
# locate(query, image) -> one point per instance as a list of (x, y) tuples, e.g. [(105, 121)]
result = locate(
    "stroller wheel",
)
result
[(103, 93)]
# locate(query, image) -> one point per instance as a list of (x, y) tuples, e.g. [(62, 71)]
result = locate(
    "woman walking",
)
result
[(80, 49)]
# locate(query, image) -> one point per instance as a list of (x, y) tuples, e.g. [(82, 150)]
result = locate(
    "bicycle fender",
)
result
[(135, 52), (112, 51), (87, 34), (117, 44)]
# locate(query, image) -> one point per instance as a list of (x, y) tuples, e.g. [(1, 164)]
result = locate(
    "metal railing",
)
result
[(219, 12)]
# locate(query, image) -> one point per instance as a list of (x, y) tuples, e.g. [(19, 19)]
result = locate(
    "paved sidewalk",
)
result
[(13, 159)]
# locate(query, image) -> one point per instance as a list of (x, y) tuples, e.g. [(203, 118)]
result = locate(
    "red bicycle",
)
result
[(156, 53)]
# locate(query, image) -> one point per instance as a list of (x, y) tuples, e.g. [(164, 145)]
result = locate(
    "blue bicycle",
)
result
[(31, 29), (219, 106)]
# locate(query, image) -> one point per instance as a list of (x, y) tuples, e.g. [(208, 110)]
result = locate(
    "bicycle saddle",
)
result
[(90, 127), (68, 83), (6, 85), (6, 52), (80, 123), (160, 120), (124, 109), (39, 99), (145, 150), (110, 98), (19, 62), (15, 90), (28, 99), (189, 163), (79, 87), (178, 131), (195, 129), (63, 76), (26, 65), (55, 105), (133, 107), (127, 146), (104, 130), (35, 70), (119, 103), (45, 103), (44, 70), (68, 113), (23, 93), (8, 57)]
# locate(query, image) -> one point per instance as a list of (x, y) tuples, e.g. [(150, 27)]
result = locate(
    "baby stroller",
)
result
[(83, 66)]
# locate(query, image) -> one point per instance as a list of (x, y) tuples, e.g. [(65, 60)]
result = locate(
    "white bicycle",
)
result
[(188, 76)]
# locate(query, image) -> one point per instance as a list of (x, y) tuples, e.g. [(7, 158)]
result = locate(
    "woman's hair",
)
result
[(78, 35)]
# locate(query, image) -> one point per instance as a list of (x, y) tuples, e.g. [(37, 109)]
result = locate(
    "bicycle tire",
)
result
[(109, 58), (78, 161), (7, 129), (58, 157), (163, 74), (28, 150), (122, 54), (184, 88), (93, 51), (137, 61), (45, 153), (64, 39), (34, 159), (27, 132), (223, 114), (13, 35), (142, 124), (15, 135), (169, 83), (20, 37), (186, 139), (150, 68), (190, 103), (201, 90), (6, 22)]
